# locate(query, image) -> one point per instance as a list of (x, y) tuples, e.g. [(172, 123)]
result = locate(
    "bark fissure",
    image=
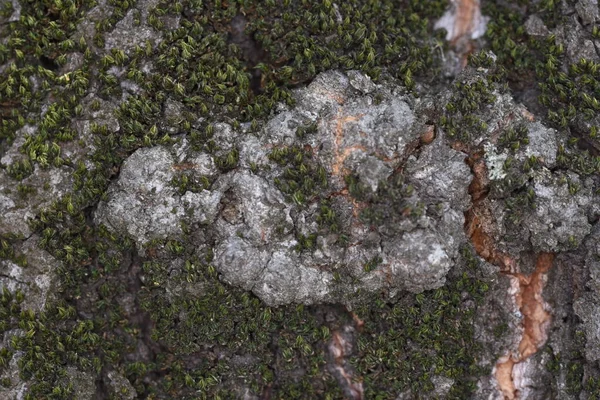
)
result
[(480, 227)]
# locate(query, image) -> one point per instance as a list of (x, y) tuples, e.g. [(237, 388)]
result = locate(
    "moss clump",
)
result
[(228, 161), (304, 130), (51, 340), (302, 178), (404, 345), (592, 386), (469, 98), (37, 46), (8, 244), (568, 91), (575, 373), (304, 182), (513, 138), (220, 319), (328, 218), (516, 188), (186, 182), (394, 200), (509, 42), (138, 118), (193, 337)]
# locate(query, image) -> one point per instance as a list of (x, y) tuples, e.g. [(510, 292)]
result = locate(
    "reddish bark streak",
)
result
[(480, 227), (337, 349)]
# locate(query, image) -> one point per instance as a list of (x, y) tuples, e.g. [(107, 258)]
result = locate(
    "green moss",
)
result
[(302, 179), (582, 162), (593, 387), (569, 92), (228, 161), (403, 345), (235, 322), (508, 41), (20, 169), (37, 46), (194, 335), (500, 330), (393, 201), (8, 245), (518, 203), (513, 138), (46, 348), (575, 372), (469, 98), (302, 131), (372, 264), (187, 182)]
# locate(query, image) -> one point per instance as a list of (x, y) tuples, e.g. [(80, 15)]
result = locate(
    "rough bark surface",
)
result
[(299, 199)]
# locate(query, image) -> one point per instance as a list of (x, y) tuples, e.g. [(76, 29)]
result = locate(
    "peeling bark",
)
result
[(463, 23), (340, 348), (536, 321)]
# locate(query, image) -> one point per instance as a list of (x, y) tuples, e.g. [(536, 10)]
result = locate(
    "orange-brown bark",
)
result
[(480, 227)]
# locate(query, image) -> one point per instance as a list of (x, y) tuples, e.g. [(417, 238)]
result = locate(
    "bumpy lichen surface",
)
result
[(178, 177)]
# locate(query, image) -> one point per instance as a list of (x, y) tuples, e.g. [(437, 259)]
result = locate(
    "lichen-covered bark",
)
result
[(299, 199)]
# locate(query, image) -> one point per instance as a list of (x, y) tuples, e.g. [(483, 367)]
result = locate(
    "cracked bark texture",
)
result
[(355, 191)]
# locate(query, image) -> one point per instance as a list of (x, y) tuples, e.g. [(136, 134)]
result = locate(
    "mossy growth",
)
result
[(51, 340), (327, 217), (581, 162), (372, 264), (572, 367), (8, 245), (509, 42), (516, 51), (195, 336), (394, 200), (513, 138), (520, 202), (197, 332), (290, 42), (302, 178), (568, 91), (469, 98), (592, 386), (228, 161), (304, 182), (405, 344), (218, 319), (186, 182), (36, 48), (304, 130), (516, 188)]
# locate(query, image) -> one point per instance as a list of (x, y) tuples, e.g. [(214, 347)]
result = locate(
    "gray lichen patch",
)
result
[(543, 143), (120, 387), (312, 217), (559, 221), (352, 127), (437, 184), (144, 204), (514, 137), (419, 261), (353, 136), (129, 33), (21, 201), (587, 308), (36, 277)]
